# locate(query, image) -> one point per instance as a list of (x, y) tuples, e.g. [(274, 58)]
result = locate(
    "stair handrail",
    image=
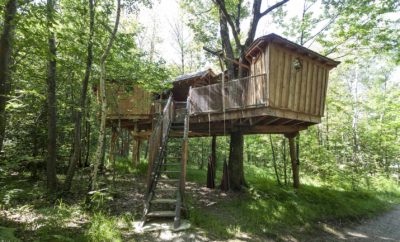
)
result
[(158, 140), (185, 143)]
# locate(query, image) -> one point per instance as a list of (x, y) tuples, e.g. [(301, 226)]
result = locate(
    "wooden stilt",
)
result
[(211, 171), (135, 151), (294, 159), (135, 147), (114, 136)]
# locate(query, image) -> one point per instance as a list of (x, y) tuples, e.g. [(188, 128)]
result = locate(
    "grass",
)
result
[(28, 213), (267, 209), (264, 210)]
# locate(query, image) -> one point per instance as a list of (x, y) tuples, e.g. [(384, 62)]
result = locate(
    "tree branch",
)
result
[(276, 5)]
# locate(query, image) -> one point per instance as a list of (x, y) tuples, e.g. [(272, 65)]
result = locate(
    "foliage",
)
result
[(268, 209), (102, 228)]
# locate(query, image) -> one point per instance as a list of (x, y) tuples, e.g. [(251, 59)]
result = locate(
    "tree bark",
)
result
[(78, 118), (88, 134), (236, 161), (6, 41), (211, 169), (294, 159), (235, 166), (135, 151), (100, 146), (51, 101), (274, 160), (284, 161)]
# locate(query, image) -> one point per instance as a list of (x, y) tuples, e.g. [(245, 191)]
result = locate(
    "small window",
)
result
[(297, 65)]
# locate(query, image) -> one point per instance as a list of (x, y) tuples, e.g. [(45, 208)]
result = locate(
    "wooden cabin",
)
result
[(285, 91), (182, 84), (134, 108), (284, 94)]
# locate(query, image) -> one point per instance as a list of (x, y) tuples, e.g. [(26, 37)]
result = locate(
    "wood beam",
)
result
[(256, 112)]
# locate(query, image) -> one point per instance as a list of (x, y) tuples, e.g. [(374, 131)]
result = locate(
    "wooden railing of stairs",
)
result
[(167, 171)]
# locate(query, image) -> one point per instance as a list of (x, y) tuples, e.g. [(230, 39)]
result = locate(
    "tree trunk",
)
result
[(6, 41), (235, 166), (225, 178), (88, 140), (274, 160), (236, 156), (284, 161), (78, 118), (51, 102), (294, 159), (135, 151), (103, 114), (211, 171)]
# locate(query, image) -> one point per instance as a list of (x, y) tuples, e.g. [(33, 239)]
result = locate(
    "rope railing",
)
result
[(236, 94)]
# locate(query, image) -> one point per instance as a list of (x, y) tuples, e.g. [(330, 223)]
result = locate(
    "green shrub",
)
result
[(103, 228)]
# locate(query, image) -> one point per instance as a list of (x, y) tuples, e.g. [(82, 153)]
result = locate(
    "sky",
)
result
[(167, 11)]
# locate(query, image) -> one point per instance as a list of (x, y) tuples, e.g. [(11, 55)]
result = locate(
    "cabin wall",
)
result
[(128, 104), (300, 90), (257, 83)]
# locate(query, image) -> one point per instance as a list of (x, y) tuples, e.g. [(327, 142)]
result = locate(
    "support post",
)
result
[(294, 159), (211, 168), (135, 147), (114, 136), (135, 151)]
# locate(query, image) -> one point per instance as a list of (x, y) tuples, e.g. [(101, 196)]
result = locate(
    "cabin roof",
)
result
[(194, 75), (262, 41), (182, 84)]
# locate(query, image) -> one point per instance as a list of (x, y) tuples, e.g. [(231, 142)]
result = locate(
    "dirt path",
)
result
[(382, 228)]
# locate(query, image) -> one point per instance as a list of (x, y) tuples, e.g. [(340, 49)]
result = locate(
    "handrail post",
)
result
[(185, 144)]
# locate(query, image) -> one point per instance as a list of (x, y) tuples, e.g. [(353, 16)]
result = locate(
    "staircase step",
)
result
[(161, 214), (163, 200), (170, 172), (168, 190), (168, 180), (174, 157), (171, 164)]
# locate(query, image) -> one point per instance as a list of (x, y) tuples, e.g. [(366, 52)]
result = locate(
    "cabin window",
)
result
[(297, 65)]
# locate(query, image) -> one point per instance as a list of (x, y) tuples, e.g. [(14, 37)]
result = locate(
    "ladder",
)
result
[(167, 165)]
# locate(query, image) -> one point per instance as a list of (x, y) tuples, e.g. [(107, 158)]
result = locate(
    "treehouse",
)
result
[(284, 94)]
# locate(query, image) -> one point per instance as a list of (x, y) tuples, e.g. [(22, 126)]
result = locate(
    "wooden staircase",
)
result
[(167, 166)]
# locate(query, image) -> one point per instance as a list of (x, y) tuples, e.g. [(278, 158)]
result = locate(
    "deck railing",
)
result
[(241, 93)]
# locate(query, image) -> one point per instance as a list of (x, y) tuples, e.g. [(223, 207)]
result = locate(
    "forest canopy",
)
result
[(58, 59)]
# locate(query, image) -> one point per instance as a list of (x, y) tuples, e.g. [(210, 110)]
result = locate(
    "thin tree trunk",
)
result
[(78, 118), (284, 161), (294, 159), (274, 160), (51, 101), (211, 168), (88, 133), (100, 146), (6, 41)]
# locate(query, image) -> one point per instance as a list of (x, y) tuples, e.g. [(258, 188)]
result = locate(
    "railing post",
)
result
[(185, 144)]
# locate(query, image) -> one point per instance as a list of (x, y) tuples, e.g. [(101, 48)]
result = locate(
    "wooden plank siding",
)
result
[(132, 102), (275, 84), (302, 90)]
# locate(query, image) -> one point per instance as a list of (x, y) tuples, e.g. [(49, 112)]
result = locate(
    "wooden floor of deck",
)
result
[(261, 120)]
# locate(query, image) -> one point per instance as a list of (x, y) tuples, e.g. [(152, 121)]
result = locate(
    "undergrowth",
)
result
[(270, 209)]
